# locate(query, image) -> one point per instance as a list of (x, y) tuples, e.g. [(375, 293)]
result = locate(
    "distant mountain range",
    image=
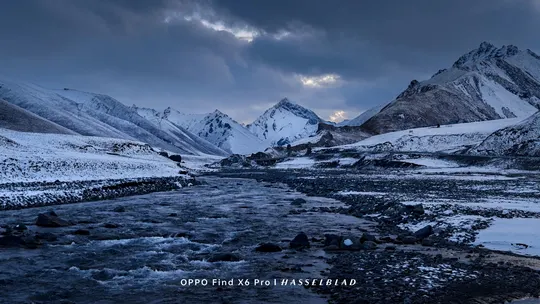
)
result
[(487, 83)]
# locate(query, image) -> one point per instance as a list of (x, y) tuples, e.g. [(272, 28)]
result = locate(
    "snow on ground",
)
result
[(432, 163), (509, 234), (464, 224), (27, 157), (433, 139), (198, 163), (296, 163), (311, 139), (524, 204)]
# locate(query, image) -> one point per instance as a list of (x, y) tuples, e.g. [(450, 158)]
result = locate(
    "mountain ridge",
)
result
[(484, 84)]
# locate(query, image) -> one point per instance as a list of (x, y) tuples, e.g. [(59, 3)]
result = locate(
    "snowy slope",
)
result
[(365, 116), (216, 128), (96, 115), (285, 123), (485, 84), (521, 139), (15, 118), (431, 139), (42, 157)]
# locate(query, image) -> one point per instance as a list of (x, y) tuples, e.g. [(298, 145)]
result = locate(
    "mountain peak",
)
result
[(284, 102), (486, 51)]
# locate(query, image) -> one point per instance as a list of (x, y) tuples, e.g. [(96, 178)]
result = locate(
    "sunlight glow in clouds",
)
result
[(320, 81), (339, 116), (240, 33)]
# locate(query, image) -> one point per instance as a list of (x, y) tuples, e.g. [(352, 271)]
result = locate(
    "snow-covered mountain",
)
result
[(284, 123), (16, 118), (485, 84), (522, 139), (99, 115), (216, 128)]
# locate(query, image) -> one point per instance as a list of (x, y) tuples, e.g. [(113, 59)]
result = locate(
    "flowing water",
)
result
[(165, 239)]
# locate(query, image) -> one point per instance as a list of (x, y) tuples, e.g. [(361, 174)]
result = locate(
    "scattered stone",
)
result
[(173, 214), (268, 247), (50, 219), (300, 241), (224, 257)]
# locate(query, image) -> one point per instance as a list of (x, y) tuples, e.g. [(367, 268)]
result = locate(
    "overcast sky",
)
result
[(242, 56)]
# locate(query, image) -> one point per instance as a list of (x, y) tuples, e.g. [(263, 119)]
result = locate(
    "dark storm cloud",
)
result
[(126, 49), (354, 34)]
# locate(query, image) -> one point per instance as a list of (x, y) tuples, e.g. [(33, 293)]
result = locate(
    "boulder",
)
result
[(175, 157), (350, 243), (332, 240), (20, 227), (300, 241), (424, 232), (51, 219), (367, 237), (17, 241), (268, 247)]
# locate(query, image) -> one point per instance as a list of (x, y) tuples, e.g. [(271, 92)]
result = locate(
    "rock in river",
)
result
[(268, 247), (300, 241), (50, 219), (224, 257)]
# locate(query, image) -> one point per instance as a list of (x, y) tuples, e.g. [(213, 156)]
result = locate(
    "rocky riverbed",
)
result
[(271, 236), (427, 228)]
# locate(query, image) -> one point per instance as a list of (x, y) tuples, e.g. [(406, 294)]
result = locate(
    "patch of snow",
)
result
[(433, 139), (296, 163), (507, 234)]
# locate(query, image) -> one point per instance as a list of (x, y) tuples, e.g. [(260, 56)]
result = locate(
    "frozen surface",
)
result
[(509, 234)]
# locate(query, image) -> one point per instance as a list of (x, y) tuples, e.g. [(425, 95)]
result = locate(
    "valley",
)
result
[(432, 197)]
